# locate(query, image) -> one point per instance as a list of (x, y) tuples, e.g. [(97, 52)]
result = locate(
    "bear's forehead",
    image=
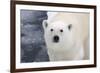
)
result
[(58, 24)]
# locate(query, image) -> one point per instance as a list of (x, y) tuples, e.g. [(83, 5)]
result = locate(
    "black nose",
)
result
[(56, 39)]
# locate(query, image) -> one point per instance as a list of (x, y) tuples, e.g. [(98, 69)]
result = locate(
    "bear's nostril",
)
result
[(56, 39)]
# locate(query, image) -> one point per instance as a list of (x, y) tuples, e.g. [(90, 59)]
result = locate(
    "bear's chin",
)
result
[(59, 46)]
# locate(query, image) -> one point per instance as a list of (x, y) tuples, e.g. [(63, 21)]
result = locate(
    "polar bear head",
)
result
[(65, 30), (59, 34)]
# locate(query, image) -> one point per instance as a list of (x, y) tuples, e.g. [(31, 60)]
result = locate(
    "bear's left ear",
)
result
[(45, 24), (69, 26)]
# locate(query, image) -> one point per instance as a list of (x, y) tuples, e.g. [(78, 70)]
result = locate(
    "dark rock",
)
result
[(33, 48)]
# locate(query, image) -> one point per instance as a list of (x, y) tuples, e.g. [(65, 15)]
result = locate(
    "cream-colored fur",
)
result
[(73, 44)]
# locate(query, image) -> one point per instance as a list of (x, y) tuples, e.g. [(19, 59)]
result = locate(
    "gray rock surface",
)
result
[(33, 48)]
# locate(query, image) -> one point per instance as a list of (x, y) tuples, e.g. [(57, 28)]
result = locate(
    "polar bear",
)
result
[(65, 35)]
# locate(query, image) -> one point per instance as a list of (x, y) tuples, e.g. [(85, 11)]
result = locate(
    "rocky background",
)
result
[(33, 48)]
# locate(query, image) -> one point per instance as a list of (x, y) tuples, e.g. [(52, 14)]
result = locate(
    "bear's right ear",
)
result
[(45, 24)]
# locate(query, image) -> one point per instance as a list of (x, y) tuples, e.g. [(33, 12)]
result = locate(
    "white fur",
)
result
[(71, 44)]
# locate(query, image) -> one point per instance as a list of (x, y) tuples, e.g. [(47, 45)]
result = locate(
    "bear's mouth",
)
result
[(56, 39)]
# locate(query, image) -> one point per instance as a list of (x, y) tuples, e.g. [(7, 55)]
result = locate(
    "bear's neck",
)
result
[(74, 53)]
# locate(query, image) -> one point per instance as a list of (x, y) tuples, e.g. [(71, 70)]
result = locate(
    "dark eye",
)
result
[(69, 26), (61, 30), (51, 29)]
